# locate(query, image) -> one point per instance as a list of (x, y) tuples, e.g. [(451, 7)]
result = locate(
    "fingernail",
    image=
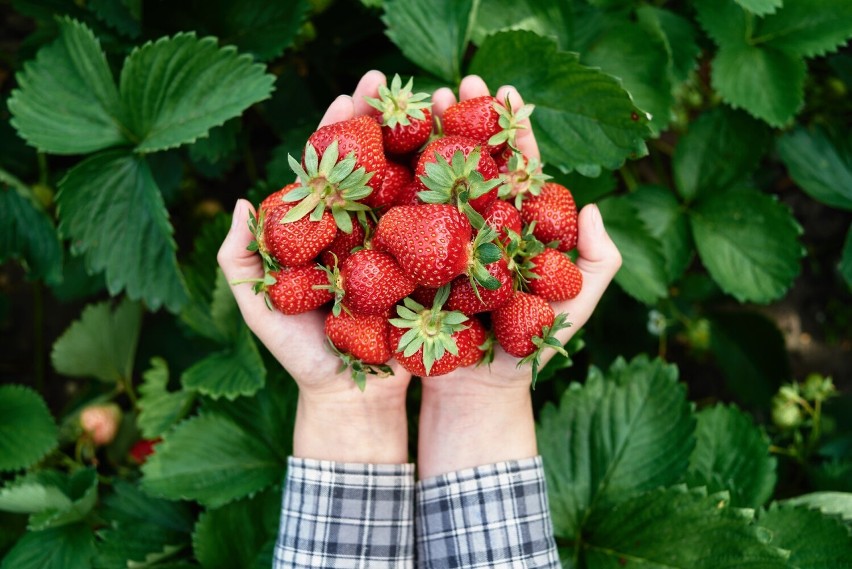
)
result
[(236, 213), (596, 220)]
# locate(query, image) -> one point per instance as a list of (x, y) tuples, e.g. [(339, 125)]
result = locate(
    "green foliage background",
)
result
[(708, 131)]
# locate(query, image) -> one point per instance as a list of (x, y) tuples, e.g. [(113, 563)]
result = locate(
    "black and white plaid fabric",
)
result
[(346, 516), (494, 516)]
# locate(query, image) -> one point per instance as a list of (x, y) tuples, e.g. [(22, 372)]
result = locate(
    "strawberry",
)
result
[(344, 243), (291, 244), (555, 277), (502, 215), (555, 215), (454, 170), (485, 119), (397, 177), (276, 198), (405, 117), (101, 422), (368, 282), (360, 135), (142, 449), (521, 178), (408, 194), (525, 325), (468, 299), (294, 290), (424, 295), (362, 342), (432, 341)]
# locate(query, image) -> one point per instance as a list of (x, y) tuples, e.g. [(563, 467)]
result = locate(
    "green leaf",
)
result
[(821, 164), (109, 205), (27, 232), (845, 266), (806, 28), (679, 36), (664, 218), (815, 541), (160, 408), (82, 489), (761, 7), (829, 503), (586, 190), (752, 353), (732, 453), (675, 528), (27, 429), (768, 83), (543, 17), (176, 89), (51, 498), (101, 344), (749, 242), (636, 53), (584, 120), (434, 34), (241, 522), (219, 144), (122, 15), (67, 547), (721, 148), (66, 101), (212, 460), (207, 306), (611, 439), (724, 20), (643, 274), (236, 371)]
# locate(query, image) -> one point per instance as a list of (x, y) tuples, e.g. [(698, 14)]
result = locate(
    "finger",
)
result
[(442, 99), (368, 86), (524, 137), (240, 266), (598, 261), (341, 109), (471, 87)]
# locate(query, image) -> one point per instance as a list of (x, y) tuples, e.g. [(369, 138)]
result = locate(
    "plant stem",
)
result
[(629, 178)]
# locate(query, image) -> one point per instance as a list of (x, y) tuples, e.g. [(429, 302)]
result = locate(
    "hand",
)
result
[(480, 415), (335, 420)]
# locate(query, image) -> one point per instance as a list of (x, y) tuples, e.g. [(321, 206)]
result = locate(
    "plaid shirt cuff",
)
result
[(346, 516), (494, 516)]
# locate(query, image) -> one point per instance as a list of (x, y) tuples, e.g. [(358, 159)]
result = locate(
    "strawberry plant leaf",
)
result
[(636, 53), (27, 429), (806, 28), (68, 547), (27, 232), (219, 144), (749, 243), (543, 17), (845, 266), (250, 523), (760, 7), (663, 216), (584, 120), (66, 101), (212, 460), (721, 148), (829, 503), (108, 227), (101, 344), (160, 408), (732, 453), (124, 15), (680, 39), (815, 541), (643, 275), (820, 163), (680, 528), (434, 34), (236, 371), (207, 309), (51, 498), (611, 439), (176, 89)]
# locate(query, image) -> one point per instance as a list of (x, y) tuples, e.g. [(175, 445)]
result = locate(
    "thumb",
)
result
[(239, 264)]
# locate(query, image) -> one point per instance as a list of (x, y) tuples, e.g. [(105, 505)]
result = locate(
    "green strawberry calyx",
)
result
[(334, 286), (429, 328), (521, 249), (329, 183), (523, 177), (457, 182), (546, 340), (510, 122), (358, 368), (398, 105)]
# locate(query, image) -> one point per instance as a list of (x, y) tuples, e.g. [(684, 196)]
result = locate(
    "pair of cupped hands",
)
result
[(298, 342)]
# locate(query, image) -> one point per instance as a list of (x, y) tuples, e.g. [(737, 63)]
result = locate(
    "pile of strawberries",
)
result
[(427, 241)]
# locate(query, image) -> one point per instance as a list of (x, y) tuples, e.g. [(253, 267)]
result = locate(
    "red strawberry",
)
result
[(556, 276), (468, 301), (485, 119), (275, 198), (525, 325), (342, 246), (473, 179), (424, 295), (370, 282), (502, 216), (406, 117), (555, 215), (142, 449), (365, 337), (429, 241), (361, 135), (295, 289), (295, 243), (397, 176), (408, 194)]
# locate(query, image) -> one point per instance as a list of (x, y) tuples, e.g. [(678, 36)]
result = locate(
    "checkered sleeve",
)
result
[(494, 516), (340, 516)]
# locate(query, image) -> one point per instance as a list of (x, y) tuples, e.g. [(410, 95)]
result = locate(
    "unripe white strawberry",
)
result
[(100, 422)]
